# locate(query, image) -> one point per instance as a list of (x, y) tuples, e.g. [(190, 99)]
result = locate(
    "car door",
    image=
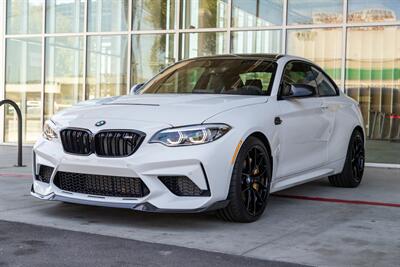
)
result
[(303, 125), (329, 95)]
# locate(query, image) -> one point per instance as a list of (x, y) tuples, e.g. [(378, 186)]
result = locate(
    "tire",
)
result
[(353, 169), (250, 183)]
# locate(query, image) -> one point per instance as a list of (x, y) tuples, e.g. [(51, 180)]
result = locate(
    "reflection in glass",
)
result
[(322, 46), (23, 85), (203, 14), (373, 79), (373, 11), (150, 54), (202, 44), (63, 76), (24, 17), (153, 14), (107, 15), (106, 66), (256, 41), (315, 11), (256, 13), (64, 16)]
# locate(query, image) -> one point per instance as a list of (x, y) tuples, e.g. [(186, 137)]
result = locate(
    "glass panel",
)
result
[(64, 16), (323, 46), (325, 87), (153, 14), (256, 13), (315, 11), (106, 66), (373, 11), (107, 15), (373, 79), (24, 17), (202, 44), (300, 75), (23, 85), (256, 41), (150, 54), (203, 14), (63, 76), (234, 76)]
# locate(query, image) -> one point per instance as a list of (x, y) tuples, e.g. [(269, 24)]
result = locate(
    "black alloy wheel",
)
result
[(353, 169), (250, 184), (358, 158), (255, 181)]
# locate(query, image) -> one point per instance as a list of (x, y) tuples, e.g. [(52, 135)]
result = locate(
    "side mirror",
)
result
[(297, 91), (136, 88)]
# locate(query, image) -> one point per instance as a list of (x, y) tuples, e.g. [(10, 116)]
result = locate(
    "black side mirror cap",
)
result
[(136, 88), (297, 91)]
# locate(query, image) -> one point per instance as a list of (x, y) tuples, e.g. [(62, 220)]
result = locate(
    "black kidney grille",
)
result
[(109, 143), (76, 141), (117, 143), (101, 185)]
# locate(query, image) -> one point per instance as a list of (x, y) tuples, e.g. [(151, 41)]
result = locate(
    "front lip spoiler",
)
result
[(145, 207)]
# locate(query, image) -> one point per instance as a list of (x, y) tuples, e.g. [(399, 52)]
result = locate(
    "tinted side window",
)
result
[(325, 87), (298, 74)]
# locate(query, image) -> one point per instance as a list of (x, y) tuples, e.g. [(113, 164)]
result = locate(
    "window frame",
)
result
[(317, 95), (335, 87)]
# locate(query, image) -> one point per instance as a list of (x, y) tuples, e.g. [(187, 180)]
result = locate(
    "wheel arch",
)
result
[(264, 139), (359, 128)]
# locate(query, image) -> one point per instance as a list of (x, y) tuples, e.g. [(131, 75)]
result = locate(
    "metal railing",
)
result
[(19, 115)]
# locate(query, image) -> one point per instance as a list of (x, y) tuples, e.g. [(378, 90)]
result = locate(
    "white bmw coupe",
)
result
[(212, 133)]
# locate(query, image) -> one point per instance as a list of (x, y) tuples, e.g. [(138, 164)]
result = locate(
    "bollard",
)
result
[(12, 103)]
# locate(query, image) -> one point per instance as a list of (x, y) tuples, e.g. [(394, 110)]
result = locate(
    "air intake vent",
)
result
[(45, 173), (101, 185), (182, 186)]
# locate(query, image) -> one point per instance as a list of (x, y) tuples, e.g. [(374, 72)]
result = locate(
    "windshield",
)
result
[(215, 76)]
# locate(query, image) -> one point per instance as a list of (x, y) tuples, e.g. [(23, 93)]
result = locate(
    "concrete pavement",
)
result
[(293, 230)]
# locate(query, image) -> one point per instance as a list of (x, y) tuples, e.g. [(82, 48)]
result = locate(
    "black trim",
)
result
[(170, 187), (147, 207), (206, 178), (277, 121)]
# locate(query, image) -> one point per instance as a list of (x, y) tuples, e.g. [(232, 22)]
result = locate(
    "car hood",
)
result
[(168, 109)]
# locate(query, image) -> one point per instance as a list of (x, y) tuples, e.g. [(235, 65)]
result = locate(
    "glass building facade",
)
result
[(56, 53)]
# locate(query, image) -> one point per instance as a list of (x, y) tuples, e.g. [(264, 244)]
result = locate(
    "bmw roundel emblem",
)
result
[(100, 123)]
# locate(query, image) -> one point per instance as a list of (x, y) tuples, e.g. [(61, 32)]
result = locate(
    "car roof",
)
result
[(265, 56)]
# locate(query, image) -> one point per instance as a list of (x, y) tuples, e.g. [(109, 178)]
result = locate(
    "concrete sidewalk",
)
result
[(292, 230)]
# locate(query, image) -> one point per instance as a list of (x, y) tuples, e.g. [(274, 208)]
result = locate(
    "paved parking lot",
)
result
[(312, 224)]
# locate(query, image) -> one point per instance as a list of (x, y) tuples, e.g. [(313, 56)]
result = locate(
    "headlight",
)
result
[(48, 132), (190, 135)]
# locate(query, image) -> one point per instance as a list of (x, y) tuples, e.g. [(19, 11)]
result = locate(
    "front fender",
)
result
[(248, 120)]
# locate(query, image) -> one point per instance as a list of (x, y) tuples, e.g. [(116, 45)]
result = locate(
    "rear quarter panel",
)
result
[(347, 118)]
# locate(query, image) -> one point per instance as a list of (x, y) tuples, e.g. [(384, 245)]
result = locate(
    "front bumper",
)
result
[(208, 166)]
